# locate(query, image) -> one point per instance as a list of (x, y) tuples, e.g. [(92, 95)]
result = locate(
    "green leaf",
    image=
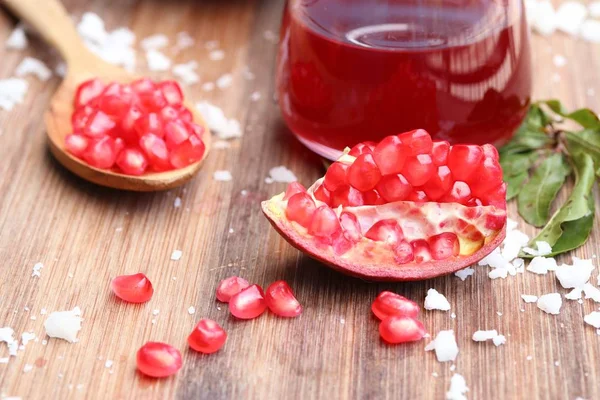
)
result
[(587, 142), (586, 118), (536, 196), (571, 225), (556, 106), (515, 184)]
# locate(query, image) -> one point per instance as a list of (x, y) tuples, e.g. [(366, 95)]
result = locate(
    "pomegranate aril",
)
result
[(249, 303), (149, 123), (229, 287), (112, 89), (394, 188), (439, 184), (143, 86), (185, 114), (153, 101), (323, 194), (390, 155), (463, 161), (372, 198), (495, 197), (324, 222), (460, 193), (115, 106), (80, 118), (350, 226), (169, 113), (347, 196), (487, 176), (207, 337), (135, 288), (101, 153), (363, 174), (88, 91), (156, 151), (403, 252), (175, 133), (98, 124), (418, 196), (474, 202), (489, 150), (335, 177), (292, 189), (127, 130), (387, 230), (418, 141), (443, 246), (187, 153), (362, 148), (421, 250), (132, 161), (418, 169), (341, 244), (158, 360), (402, 329), (300, 208), (439, 152), (281, 300), (172, 92), (388, 304), (76, 144), (119, 145)]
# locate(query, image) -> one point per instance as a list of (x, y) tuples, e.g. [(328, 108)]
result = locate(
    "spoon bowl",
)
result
[(54, 25)]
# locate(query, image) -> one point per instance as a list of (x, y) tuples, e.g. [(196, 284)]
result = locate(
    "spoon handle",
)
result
[(52, 22)]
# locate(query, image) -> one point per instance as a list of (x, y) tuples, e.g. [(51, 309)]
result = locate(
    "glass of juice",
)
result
[(350, 71)]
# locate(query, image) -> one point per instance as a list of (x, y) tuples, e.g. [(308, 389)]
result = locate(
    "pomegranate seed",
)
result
[(128, 131), (115, 106), (347, 196), (495, 197), (489, 150), (175, 134), (101, 153), (169, 113), (388, 304), (149, 123), (292, 189), (403, 252), (439, 152), (341, 244), (460, 193), (112, 89), (158, 360), (439, 184), (421, 250), (418, 169), (335, 177), (495, 222), (207, 337), (350, 226), (249, 303), (135, 288), (229, 287), (363, 174), (99, 124), (418, 196), (185, 114), (373, 198), (387, 230), (281, 300), (444, 245), (324, 222), (362, 148), (172, 92), (390, 155), (76, 144), (80, 118), (188, 152), (119, 145), (487, 177), (463, 160), (132, 161), (395, 330), (394, 188), (144, 85), (474, 202), (300, 209), (418, 141), (88, 91), (323, 194), (153, 101), (156, 151)]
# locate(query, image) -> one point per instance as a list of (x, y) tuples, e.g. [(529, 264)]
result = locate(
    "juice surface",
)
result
[(356, 70)]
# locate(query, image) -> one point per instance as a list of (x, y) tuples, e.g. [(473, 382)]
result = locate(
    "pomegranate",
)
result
[(389, 304), (249, 303), (401, 329), (158, 360), (134, 128), (229, 287), (407, 208), (207, 337), (135, 288), (281, 301)]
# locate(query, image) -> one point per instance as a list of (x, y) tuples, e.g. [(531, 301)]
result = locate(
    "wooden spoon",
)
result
[(54, 24)]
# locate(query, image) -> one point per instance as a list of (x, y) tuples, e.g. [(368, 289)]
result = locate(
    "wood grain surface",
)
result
[(85, 235)]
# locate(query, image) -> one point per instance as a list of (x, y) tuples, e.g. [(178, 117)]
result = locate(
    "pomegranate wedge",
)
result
[(416, 221)]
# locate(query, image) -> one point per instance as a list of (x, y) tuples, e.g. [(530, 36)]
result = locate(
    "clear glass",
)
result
[(350, 71)]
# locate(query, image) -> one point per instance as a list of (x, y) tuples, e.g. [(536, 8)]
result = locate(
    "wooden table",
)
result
[(85, 235)]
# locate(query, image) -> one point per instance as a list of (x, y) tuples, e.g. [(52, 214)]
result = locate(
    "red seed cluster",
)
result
[(134, 128), (398, 315), (412, 167)]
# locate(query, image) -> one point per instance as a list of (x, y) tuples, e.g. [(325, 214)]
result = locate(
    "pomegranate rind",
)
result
[(375, 260)]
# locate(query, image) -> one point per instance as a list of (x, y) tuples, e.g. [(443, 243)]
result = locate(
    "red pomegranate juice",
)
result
[(356, 70)]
